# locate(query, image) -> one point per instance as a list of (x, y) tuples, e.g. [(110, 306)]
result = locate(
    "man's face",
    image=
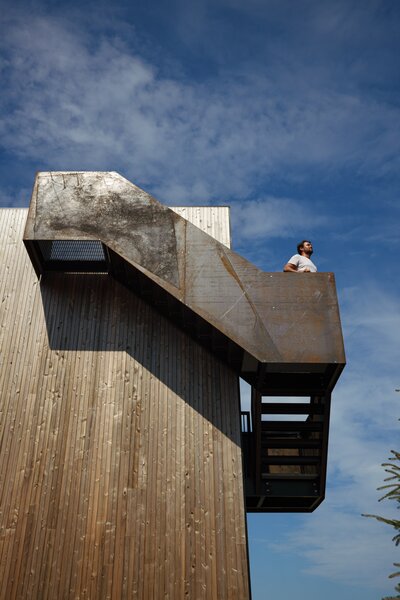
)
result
[(307, 248)]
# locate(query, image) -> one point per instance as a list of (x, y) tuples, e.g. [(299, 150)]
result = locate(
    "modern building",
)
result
[(126, 463)]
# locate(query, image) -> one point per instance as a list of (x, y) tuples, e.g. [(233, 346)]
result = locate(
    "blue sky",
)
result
[(288, 111)]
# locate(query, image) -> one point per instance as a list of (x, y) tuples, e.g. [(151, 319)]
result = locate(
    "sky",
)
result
[(288, 111)]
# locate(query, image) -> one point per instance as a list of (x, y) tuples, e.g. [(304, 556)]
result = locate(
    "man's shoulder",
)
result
[(294, 259)]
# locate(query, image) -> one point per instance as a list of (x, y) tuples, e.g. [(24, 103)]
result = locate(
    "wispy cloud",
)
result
[(72, 102), (273, 217), (344, 547)]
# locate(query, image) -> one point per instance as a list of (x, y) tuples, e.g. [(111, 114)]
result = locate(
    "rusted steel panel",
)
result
[(107, 207), (268, 322)]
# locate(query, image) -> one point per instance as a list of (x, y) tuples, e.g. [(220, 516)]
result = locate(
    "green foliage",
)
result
[(392, 492)]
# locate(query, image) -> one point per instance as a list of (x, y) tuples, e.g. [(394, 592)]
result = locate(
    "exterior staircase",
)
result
[(285, 452)]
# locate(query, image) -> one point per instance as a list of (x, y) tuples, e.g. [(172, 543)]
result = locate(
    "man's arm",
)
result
[(289, 268)]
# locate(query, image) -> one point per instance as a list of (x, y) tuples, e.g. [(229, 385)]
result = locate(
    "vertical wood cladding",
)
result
[(120, 462), (214, 220)]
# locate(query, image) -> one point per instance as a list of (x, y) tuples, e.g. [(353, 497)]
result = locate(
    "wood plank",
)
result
[(120, 461)]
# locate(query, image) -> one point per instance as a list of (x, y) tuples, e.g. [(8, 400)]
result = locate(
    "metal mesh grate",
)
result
[(72, 250)]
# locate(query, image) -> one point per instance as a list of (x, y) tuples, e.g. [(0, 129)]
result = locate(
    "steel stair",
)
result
[(285, 459)]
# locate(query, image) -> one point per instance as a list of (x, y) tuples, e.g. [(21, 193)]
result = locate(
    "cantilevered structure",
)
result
[(278, 333), (131, 465)]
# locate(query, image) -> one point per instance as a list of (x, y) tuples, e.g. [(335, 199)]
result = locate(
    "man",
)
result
[(301, 262)]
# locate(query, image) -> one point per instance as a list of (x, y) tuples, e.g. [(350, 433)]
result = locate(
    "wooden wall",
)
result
[(120, 461), (214, 220)]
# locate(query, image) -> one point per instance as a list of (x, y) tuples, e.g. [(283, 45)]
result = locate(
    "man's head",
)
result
[(305, 248)]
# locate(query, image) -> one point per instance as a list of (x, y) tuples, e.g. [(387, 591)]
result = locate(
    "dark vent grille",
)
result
[(72, 250), (73, 255)]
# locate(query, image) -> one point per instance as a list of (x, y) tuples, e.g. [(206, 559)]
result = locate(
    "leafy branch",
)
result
[(392, 492)]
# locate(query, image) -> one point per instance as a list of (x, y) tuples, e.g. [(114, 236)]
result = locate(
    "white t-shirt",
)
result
[(301, 262)]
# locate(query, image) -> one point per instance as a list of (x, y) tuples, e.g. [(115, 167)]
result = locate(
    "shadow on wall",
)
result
[(95, 313)]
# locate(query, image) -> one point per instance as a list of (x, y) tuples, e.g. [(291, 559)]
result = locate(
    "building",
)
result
[(126, 463)]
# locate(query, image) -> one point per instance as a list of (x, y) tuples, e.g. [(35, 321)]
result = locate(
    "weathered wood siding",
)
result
[(214, 220), (120, 462)]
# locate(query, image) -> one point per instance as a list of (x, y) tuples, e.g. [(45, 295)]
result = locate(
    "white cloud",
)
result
[(371, 317), (273, 217), (92, 104), (344, 547)]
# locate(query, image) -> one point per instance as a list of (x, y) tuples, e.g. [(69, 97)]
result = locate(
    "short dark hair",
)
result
[(302, 244)]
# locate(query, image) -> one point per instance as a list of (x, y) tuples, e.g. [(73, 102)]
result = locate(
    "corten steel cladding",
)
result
[(277, 331)]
